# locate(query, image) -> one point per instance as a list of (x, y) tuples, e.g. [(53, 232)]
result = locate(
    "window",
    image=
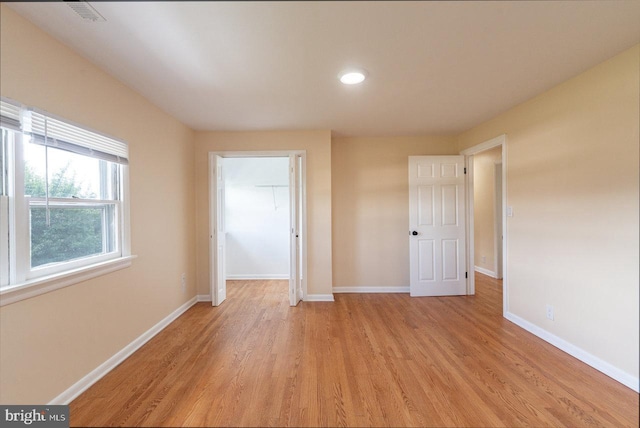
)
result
[(4, 209), (63, 205)]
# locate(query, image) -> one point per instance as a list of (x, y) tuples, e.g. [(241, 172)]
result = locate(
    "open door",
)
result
[(437, 226), (297, 222), (295, 201), (218, 235)]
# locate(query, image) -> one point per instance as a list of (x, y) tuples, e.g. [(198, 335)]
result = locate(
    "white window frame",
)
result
[(4, 243), (23, 282), (4, 220), (38, 271)]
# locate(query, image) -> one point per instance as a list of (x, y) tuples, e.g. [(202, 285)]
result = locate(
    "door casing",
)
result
[(500, 140), (301, 214), (497, 241)]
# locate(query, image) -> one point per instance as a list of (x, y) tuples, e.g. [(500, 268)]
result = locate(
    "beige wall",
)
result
[(572, 181), (51, 341), (484, 212), (371, 207), (318, 148)]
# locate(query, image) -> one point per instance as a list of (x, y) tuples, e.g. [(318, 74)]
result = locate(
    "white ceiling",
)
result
[(434, 67)]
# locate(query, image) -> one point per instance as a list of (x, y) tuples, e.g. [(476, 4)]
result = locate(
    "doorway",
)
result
[(257, 219), (498, 183), (487, 207), (256, 213)]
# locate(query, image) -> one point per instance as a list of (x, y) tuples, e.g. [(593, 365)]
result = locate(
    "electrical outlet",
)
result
[(183, 282), (550, 312), (484, 259)]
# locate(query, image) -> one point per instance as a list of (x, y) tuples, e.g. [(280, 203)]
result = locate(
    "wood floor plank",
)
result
[(364, 360)]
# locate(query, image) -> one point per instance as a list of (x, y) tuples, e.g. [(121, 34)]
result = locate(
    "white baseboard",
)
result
[(370, 289), (319, 298), (95, 375), (247, 277), (610, 370), (484, 271), (203, 297)]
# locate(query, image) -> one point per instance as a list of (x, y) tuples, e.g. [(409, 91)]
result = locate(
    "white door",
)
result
[(295, 270), (220, 237), (437, 226)]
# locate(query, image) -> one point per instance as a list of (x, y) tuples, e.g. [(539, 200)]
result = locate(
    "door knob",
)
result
[(414, 233)]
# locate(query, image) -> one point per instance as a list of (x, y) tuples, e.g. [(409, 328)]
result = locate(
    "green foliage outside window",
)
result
[(73, 232)]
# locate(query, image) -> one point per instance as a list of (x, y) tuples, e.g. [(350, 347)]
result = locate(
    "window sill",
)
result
[(46, 284)]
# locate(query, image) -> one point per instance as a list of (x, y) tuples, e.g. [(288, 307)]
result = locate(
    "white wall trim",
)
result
[(370, 289), (96, 374), (484, 271), (500, 140), (610, 370), (250, 276), (203, 297), (319, 298), (494, 142)]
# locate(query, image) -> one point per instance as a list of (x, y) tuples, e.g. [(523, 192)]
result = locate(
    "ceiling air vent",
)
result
[(86, 11)]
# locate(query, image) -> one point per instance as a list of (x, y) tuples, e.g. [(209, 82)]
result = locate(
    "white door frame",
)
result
[(500, 140), (213, 197), (499, 211)]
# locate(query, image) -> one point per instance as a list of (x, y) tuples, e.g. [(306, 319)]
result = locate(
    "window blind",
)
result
[(50, 131), (10, 114)]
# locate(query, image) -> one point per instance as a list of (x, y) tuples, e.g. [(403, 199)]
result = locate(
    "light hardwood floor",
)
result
[(365, 360)]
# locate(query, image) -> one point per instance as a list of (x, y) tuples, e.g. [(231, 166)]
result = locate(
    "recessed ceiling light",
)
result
[(352, 77)]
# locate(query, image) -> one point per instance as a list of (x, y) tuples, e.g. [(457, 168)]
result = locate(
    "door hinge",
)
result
[(466, 274), (465, 170)]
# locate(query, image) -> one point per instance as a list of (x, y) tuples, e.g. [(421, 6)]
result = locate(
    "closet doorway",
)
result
[(257, 220)]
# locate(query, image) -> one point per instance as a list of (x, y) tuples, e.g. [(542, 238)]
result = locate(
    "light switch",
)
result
[(509, 211)]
